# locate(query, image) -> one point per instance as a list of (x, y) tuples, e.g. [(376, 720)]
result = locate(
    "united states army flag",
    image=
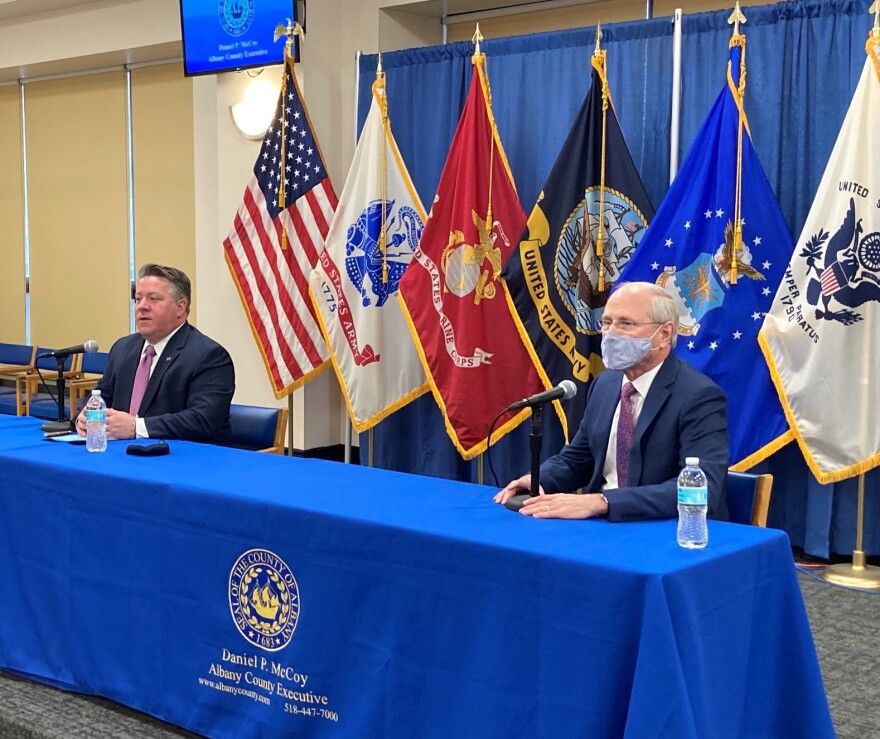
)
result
[(370, 243)]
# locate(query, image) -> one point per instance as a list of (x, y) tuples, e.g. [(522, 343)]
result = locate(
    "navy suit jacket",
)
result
[(683, 415), (189, 392)]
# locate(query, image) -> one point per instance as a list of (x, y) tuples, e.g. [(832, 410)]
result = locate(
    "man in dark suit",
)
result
[(169, 380), (644, 414)]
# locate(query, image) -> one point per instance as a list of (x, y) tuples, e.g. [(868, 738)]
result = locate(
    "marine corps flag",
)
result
[(821, 338), (453, 297), (592, 211), (371, 241), (719, 246)]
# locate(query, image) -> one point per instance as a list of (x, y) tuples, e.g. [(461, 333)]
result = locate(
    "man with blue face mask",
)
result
[(644, 414)]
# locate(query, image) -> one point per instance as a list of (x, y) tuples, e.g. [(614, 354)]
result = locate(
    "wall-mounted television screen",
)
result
[(223, 35)]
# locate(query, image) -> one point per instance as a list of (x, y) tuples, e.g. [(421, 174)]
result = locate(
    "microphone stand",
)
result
[(516, 502), (62, 425)]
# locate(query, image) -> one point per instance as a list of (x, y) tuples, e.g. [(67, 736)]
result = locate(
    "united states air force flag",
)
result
[(723, 281), (371, 241), (822, 335), (553, 278)]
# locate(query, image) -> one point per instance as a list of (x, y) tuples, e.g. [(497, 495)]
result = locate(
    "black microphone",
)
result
[(565, 390), (90, 347)]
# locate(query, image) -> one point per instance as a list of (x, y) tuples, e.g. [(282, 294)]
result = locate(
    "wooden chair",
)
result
[(748, 497), (48, 373), (91, 369), (16, 360), (257, 428)]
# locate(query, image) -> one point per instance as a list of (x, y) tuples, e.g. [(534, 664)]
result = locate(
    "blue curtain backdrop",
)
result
[(803, 61)]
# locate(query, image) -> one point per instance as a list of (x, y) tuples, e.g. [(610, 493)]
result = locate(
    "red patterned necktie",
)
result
[(141, 378), (624, 433)]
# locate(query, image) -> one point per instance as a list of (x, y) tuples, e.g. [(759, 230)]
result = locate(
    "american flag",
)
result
[(271, 248), (832, 278)]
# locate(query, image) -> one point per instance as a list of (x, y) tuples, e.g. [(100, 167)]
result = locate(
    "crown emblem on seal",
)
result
[(264, 599)]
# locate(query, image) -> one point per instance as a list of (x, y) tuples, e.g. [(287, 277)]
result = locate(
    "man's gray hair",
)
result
[(179, 284), (662, 309)]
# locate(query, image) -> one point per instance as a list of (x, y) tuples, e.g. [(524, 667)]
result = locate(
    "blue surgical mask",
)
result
[(622, 352)]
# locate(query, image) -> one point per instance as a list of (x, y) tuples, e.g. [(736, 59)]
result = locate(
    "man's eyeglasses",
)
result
[(624, 325)]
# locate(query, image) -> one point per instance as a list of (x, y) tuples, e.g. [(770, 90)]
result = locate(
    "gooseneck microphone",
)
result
[(62, 424), (565, 390), (90, 347)]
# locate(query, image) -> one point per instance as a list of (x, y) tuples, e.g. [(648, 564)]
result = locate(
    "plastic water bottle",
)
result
[(96, 423), (693, 501)]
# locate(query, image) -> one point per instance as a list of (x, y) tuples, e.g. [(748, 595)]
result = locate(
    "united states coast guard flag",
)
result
[(371, 241), (592, 213), (475, 353), (822, 335), (275, 241), (719, 246)]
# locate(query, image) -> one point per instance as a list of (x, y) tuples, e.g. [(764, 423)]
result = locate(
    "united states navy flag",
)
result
[(587, 222), (720, 246)]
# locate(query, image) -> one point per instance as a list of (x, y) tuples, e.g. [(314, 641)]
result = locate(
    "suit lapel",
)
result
[(127, 371), (654, 401), (169, 355), (605, 414)]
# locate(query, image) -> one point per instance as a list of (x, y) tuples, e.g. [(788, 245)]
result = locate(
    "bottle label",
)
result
[(96, 414), (693, 496)]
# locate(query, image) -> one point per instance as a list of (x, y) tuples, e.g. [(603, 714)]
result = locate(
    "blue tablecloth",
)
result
[(415, 607)]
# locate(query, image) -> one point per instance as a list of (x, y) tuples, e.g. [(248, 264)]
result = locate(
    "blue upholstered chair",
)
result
[(12, 396), (16, 360), (257, 428), (748, 497)]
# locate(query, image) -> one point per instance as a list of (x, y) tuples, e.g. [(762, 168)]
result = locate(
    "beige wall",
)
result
[(12, 317), (164, 175), (78, 209)]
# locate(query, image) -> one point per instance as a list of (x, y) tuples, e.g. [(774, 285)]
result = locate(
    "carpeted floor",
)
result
[(844, 626), (845, 629)]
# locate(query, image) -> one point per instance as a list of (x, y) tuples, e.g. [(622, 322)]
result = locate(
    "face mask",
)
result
[(622, 352)]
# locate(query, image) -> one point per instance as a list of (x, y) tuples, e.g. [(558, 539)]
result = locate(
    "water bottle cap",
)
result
[(95, 391), (692, 461)]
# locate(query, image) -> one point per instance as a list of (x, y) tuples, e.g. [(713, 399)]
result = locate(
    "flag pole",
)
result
[(289, 425), (675, 103), (858, 574), (598, 62), (291, 30), (737, 39)]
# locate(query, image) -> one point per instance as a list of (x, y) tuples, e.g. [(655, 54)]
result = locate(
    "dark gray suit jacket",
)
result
[(189, 392), (683, 415)]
